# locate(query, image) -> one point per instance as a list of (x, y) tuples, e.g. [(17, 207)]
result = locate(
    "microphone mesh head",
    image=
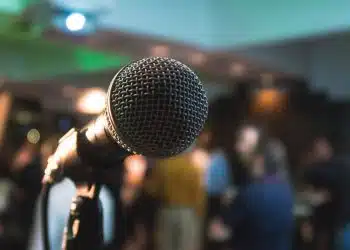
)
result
[(157, 107)]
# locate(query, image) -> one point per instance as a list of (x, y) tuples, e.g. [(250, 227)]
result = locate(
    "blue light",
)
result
[(64, 125)]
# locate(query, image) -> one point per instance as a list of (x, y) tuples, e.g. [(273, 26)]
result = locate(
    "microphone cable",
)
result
[(45, 193)]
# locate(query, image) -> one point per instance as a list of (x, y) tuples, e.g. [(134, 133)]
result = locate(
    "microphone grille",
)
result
[(157, 107)]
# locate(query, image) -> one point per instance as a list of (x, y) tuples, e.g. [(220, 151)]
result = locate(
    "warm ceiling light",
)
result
[(237, 69), (198, 58), (269, 100), (160, 50), (92, 101)]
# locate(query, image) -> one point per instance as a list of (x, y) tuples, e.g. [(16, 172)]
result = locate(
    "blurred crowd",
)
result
[(239, 196)]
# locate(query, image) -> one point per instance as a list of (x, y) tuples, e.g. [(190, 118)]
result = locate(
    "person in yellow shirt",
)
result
[(177, 184)]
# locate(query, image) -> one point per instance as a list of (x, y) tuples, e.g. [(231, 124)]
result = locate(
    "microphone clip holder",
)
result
[(84, 155), (84, 228)]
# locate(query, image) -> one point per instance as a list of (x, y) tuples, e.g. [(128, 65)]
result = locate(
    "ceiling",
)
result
[(222, 42), (207, 24)]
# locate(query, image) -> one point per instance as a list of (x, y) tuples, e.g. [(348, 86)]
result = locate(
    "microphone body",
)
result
[(155, 107)]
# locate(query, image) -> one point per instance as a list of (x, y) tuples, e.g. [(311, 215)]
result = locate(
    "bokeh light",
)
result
[(135, 169), (75, 22), (269, 100), (33, 136), (92, 101)]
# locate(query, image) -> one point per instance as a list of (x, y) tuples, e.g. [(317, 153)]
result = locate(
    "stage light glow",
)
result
[(75, 22), (200, 158), (92, 101), (269, 100)]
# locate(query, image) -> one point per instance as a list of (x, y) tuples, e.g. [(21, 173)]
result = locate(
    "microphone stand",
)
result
[(84, 228), (78, 149)]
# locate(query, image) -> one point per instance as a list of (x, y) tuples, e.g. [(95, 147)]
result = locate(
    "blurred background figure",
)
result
[(139, 208), (321, 224), (219, 179), (327, 178), (27, 168), (26, 174), (5, 181), (177, 184), (6, 186), (253, 212), (279, 159)]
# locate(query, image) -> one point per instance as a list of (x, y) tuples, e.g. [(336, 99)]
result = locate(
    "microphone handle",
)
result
[(84, 228)]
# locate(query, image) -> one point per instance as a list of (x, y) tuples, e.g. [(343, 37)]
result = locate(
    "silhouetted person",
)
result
[(328, 179), (261, 214)]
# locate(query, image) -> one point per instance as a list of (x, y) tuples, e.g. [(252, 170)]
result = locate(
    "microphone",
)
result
[(155, 107)]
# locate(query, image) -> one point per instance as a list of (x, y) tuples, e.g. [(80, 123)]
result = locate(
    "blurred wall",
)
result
[(25, 61), (249, 22), (290, 58), (215, 90), (329, 67), (323, 62)]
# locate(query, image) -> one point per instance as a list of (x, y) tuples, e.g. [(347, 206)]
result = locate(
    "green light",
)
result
[(28, 57), (88, 60)]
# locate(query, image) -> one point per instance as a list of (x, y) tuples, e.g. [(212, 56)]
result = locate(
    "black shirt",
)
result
[(333, 176)]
